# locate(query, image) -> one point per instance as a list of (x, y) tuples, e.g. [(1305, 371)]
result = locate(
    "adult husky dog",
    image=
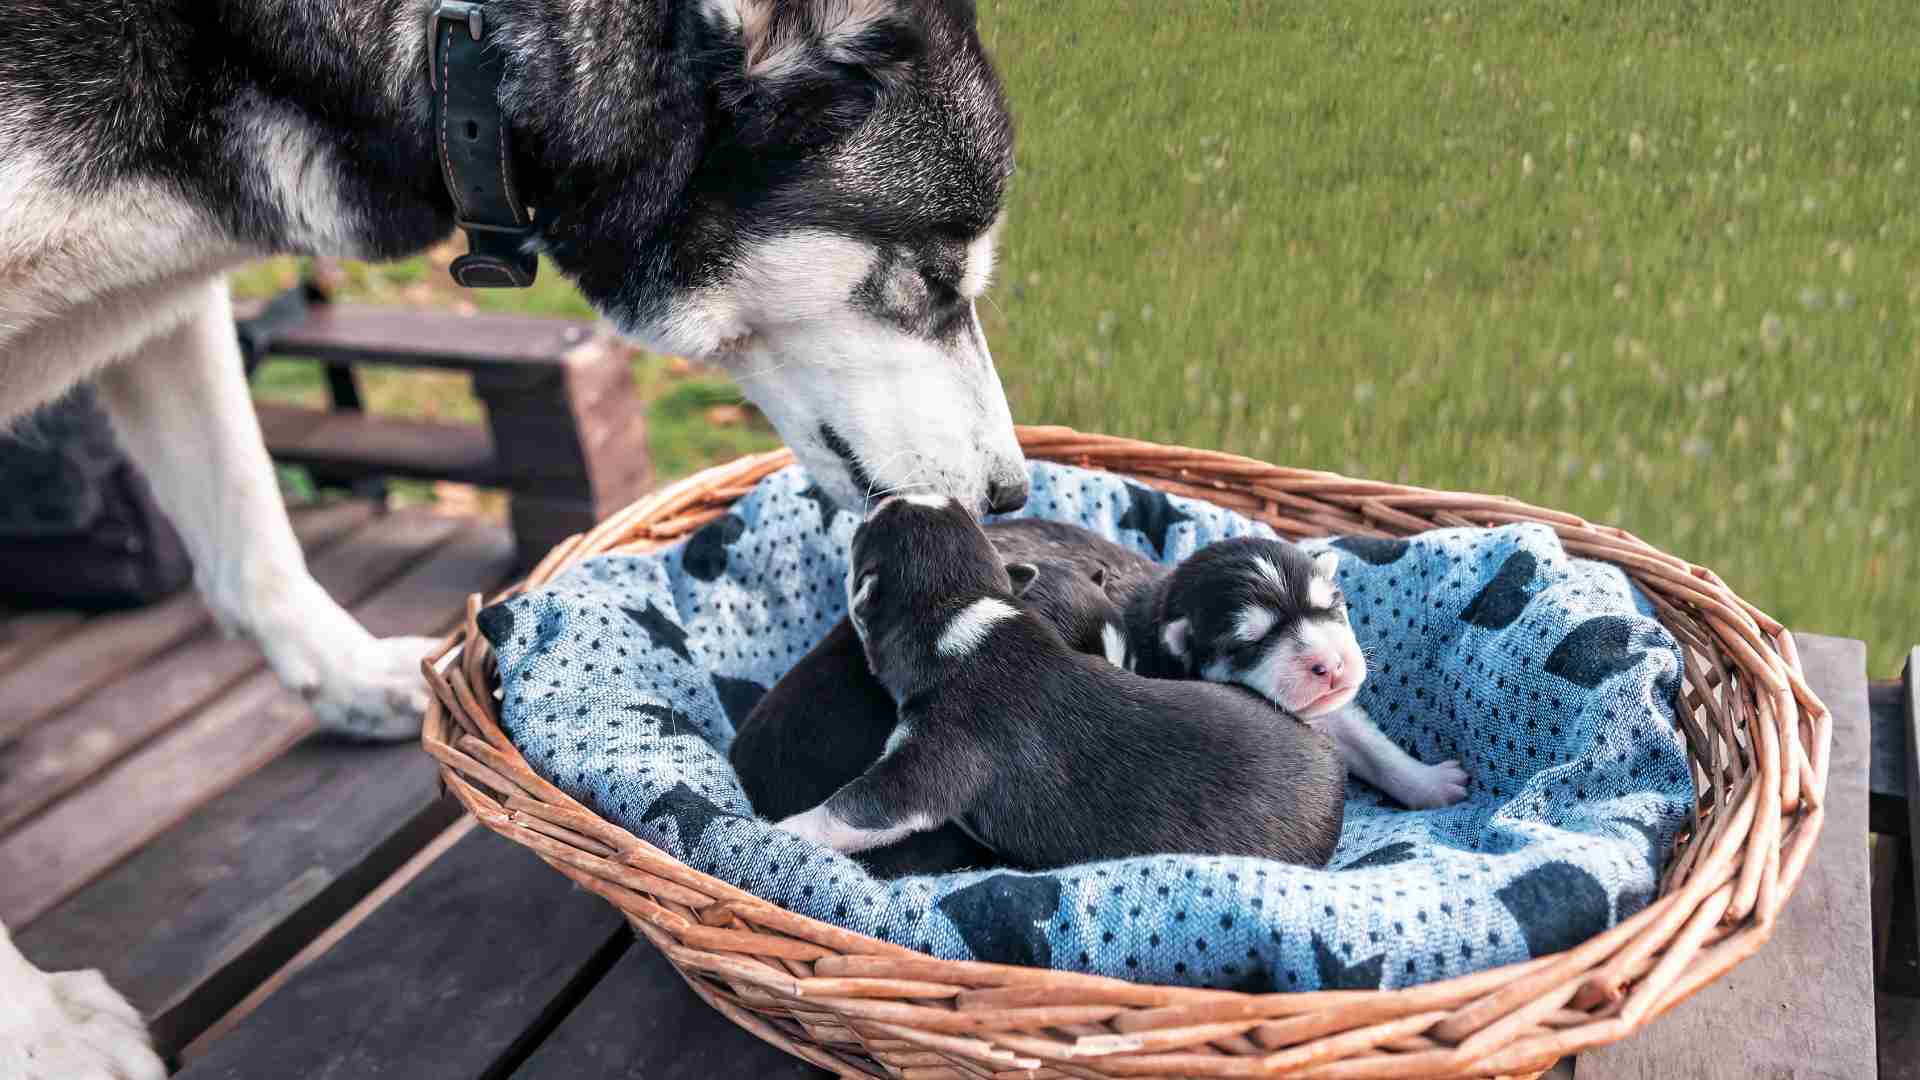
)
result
[(802, 191)]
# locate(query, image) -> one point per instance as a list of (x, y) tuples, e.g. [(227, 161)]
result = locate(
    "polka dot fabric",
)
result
[(1544, 675)]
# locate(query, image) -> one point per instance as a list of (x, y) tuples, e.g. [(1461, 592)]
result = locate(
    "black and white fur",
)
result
[(828, 719), (1050, 756), (802, 191), (1266, 615)]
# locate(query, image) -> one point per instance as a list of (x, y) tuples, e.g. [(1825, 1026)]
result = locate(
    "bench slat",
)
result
[(455, 976), (423, 337), (1803, 1005), (23, 635), (353, 445)]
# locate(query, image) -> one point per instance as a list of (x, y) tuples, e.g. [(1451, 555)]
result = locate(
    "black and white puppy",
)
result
[(1268, 616), (1050, 756), (828, 719)]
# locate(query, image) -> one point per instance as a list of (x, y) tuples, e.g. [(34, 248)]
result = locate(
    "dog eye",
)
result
[(942, 293)]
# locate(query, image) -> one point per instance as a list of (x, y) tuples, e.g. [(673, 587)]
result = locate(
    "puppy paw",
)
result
[(812, 825), (70, 1026), (380, 696), (1430, 787)]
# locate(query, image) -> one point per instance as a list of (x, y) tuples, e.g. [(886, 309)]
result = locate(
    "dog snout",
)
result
[(1007, 493), (1329, 668)]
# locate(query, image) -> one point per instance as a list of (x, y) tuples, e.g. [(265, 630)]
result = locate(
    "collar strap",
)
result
[(476, 149)]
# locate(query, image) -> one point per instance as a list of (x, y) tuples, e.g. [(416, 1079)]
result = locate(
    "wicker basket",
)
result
[(1757, 737)]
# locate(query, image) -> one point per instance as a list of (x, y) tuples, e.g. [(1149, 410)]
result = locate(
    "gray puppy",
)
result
[(1050, 756), (1268, 616)]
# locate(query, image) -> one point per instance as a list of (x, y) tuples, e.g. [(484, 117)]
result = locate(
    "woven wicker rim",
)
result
[(1757, 737)]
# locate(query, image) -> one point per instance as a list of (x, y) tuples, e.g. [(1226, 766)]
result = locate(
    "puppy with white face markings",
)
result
[(828, 719), (1266, 615), (1051, 756)]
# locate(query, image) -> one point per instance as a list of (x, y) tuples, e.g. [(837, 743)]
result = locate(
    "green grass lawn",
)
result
[(1654, 263)]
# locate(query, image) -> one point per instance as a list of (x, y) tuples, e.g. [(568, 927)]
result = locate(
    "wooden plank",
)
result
[(1803, 1005), (108, 645), (189, 925), (1887, 768), (1911, 730), (1898, 1021), (137, 799), (389, 886), (642, 1022), (64, 750), (1903, 931), (22, 634), (419, 337), (458, 976), (351, 445)]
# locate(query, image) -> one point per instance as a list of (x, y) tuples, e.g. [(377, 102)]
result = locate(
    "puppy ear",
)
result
[(811, 66), (1099, 577), (1174, 637), (1023, 575), (1326, 564), (866, 592)]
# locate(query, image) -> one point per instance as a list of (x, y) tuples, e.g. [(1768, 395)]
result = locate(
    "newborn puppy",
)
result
[(1266, 615), (1049, 756), (828, 718)]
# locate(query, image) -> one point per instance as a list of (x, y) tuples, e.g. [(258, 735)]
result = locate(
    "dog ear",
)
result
[(813, 66), (1023, 575), (1174, 638), (1098, 575)]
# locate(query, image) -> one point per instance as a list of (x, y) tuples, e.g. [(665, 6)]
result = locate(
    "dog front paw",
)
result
[(1430, 787), (380, 696), (69, 1026)]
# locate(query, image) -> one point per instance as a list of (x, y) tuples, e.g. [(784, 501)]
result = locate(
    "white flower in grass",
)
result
[(1773, 332)]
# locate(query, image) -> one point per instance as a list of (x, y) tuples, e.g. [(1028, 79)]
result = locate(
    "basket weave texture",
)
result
[(1757, 738)]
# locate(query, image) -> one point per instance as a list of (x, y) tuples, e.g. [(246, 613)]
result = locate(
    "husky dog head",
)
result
[(1266, 615), (804, 192)]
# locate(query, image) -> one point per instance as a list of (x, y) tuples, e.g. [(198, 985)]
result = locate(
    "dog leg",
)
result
[(68, 1026), (910, 789), (1378, 760), (181, 408)]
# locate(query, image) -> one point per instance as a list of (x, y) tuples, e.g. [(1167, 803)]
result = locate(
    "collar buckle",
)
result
[(455, 11)]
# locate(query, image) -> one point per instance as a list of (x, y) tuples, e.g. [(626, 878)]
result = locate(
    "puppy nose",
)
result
[(1329, 670), (1007, 495)]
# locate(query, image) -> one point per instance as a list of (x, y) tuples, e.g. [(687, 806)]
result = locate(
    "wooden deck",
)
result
[(279, 904), (167, 815)]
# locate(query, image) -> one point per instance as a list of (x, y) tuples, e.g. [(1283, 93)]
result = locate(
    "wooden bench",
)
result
[(565, 434)]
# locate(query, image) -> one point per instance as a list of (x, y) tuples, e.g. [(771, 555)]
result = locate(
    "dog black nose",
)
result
[(1006, 496)]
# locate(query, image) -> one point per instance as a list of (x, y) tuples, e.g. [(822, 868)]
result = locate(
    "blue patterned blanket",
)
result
[(1544, 675)]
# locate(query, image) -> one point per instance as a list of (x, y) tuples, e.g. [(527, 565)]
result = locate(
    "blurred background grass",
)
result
[(1657, 264)]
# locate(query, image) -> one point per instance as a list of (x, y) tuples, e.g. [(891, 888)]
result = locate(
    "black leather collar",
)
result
[(476, 149)]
